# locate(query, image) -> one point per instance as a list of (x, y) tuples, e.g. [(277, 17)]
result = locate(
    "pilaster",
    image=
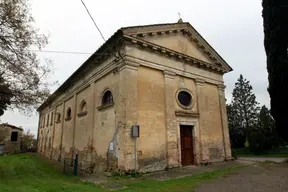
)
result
[(74, 122), (204, 152), (61, 157), (127, 110), (225, 129), (53, 136), (92, 87), (38, 132), (171, 123)]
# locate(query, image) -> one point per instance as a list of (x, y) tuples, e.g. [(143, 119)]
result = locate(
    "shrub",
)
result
[(234, 154)]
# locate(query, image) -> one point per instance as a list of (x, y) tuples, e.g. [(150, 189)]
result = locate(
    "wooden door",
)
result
[(187, 154)]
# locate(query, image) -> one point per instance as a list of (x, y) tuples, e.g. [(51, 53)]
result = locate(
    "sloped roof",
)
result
[(131, 33), (11, 126), (186, 27)]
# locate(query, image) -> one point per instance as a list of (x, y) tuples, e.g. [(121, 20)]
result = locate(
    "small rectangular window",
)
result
[(14, 136)]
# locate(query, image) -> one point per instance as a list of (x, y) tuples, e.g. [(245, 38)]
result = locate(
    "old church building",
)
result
[(165, 78)]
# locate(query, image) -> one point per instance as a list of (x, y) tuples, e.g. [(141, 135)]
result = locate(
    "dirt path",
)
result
[(274, 159), (258, 178)]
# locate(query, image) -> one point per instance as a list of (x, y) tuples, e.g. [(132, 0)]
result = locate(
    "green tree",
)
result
[(275, 19), (244, 104), (236, 132), (28, 142), (267, 123), (264, 136), (260, 136), (19, 65), (5, 95)]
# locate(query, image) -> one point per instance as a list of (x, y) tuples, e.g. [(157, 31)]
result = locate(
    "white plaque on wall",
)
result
[(111, 146)]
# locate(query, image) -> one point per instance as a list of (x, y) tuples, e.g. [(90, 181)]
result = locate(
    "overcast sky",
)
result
[(232, 27)]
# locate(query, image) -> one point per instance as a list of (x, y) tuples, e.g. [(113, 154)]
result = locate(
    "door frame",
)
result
[(193, 124)]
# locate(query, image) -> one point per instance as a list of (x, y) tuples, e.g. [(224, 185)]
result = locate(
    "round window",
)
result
[(185, 98)]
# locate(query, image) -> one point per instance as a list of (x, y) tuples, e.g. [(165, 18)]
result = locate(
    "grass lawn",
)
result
[(280, 152), (28, 172), (177, 185)]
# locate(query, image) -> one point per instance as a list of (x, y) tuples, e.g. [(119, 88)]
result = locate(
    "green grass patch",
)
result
[(245, 152), (179, 185), (29, 173)]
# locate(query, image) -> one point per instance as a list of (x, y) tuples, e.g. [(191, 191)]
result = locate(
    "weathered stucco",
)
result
[(180, 43), (57, 139), (151, 118), (144, 85), (211, 127), (9, 146)]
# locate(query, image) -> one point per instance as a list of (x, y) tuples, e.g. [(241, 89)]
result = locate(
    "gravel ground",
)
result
[(275, 159), (257, 178)]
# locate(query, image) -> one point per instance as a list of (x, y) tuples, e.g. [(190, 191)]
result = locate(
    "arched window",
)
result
[(82, 109), (107, 98), (68, 114), (83, 106)]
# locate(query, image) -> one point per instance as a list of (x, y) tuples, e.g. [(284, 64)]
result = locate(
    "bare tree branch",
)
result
[(20, 67)]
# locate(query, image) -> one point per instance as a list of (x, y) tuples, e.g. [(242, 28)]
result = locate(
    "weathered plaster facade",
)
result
[(10, 139), (135, 78)]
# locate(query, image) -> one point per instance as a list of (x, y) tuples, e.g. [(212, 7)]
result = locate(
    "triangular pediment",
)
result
[(181, 38), (181, 43)]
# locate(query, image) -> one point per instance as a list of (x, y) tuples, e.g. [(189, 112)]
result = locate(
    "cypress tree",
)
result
[(275, 20), (244, 104), (236, 131)]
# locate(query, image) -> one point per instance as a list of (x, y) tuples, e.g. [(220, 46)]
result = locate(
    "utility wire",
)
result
[(93, 20), (68, 52), (117, 57), (74, 52)]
